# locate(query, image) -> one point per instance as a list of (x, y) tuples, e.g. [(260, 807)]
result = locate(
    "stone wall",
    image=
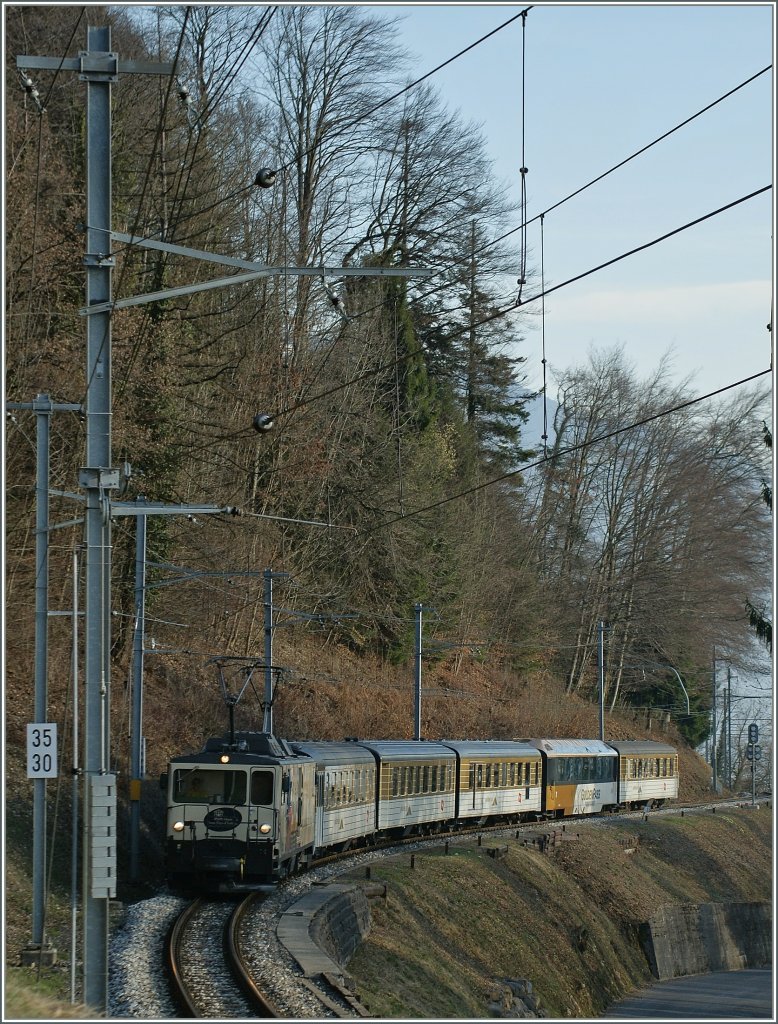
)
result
[(341, 924), (695, 938)]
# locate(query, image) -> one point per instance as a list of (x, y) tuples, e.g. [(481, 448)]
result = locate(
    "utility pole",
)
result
[(136, 727), (39, 950), (601, 674), (269, 576), (99, 68), (713, 766), (418, 609), (729, 726)]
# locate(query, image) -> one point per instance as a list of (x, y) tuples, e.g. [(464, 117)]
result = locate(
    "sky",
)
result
[(600, 83)]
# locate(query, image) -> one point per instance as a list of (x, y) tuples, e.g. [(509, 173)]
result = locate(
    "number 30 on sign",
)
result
[(42, 751)]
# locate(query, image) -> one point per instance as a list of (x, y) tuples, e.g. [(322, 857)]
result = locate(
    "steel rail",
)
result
[(182, 997), (232, 951)]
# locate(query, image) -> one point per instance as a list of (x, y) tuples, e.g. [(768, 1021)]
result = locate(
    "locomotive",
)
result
[(251, 808)]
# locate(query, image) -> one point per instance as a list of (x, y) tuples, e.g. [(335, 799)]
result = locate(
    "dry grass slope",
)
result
[(455, 925)]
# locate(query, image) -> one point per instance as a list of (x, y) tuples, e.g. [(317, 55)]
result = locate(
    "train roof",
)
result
[(332, 752), (561, 747), (648, 747), (407, 750), (250, 743), (243, 748), (493, 748), (238, 758)]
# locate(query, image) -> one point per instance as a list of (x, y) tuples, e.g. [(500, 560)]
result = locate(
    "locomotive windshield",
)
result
[(209, 786)]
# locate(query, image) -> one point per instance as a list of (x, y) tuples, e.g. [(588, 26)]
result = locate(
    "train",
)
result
[(251, 808)]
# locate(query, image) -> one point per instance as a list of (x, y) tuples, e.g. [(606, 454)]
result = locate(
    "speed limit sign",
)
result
[(42, 750)]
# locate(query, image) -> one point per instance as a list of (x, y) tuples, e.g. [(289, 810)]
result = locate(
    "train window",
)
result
[(209, 786), (262, 787), (425, 779), (434, 784), (479, 776), (395, 781), (417, 779)]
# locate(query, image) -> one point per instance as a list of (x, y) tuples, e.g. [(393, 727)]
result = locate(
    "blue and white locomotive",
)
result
[(251, 808)]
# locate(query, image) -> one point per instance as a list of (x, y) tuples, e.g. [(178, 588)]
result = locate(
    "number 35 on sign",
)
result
[(42, 750)]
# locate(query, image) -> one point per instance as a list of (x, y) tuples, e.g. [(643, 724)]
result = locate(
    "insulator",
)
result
[(265, 177)]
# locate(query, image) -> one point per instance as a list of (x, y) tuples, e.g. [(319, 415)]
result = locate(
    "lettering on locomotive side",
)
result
[(589, 793)]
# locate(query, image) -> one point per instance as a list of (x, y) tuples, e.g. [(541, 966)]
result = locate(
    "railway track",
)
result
[(207, 973)]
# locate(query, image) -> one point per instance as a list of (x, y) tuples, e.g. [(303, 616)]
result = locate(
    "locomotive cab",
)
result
[(236, 818)]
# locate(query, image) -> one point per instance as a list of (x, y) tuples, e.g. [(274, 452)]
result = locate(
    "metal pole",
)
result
[(268, 599), (43, 412), (76, 773), (713, 766), (98, 531), (729, 727), (136, 727), (601, 673), (418, 608), (753, 775), (39, 950)]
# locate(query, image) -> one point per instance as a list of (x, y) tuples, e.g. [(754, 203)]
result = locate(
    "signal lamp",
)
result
[(178, 826), (264, 829), (225, 759)]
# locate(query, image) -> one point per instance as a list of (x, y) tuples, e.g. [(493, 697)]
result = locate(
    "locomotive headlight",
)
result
[(264, 829), (178, 826), (225, 759)]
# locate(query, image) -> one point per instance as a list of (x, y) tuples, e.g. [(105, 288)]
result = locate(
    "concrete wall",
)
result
[(341, 924), (697, 938)]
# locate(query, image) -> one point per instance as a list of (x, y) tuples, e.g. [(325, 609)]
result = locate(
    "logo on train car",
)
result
[(588, 794), (222, 819)]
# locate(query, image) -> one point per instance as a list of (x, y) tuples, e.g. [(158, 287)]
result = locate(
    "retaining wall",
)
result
[(341, 924), (692, 938)]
